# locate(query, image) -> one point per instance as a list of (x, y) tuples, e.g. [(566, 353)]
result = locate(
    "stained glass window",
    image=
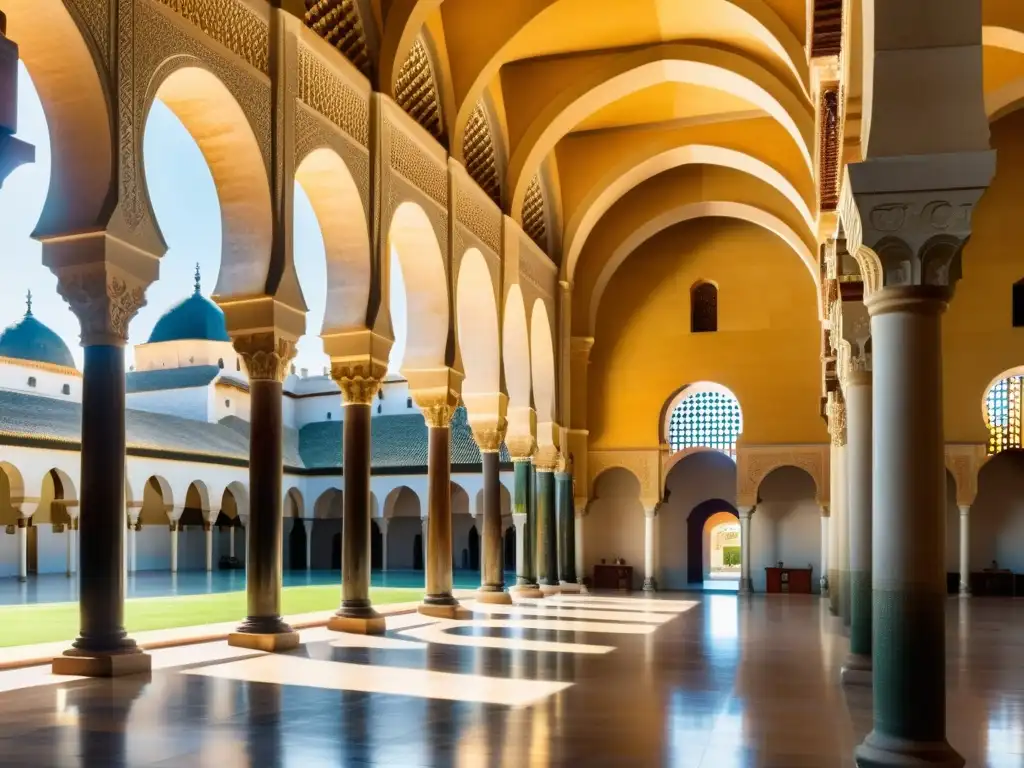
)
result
[(706, 419), (1003, 414), (703, 308)]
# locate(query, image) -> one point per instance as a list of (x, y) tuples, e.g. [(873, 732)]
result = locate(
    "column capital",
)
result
[(359, 380), (907, 218), (487, 419), (267, 354), (651, 510), (745, 512), (521, 436), (825, 510), (104, 297), (437, 392), (965, 510), (26, 508), (547, 458)]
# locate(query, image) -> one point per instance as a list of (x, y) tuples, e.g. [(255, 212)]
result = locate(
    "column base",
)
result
[(965, 591), (744, 587), (823, 586), (582, 587), (879, 751), (268, 642), (550, 589), (493, 598), (527, 590), (650, 585), (370, 623), (857, 670), (92, 664), (455, 612), (569, 588)]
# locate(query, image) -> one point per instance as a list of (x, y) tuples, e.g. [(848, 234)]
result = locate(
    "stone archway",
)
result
[(696, 535)]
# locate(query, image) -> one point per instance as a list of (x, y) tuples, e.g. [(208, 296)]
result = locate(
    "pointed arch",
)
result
[(477, 316)]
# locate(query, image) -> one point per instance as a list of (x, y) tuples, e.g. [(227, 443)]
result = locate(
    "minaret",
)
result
[(198, 284), (28, 304)]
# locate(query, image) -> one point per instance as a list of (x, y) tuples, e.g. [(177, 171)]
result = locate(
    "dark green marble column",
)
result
[(857, 667), (547, 531), (566, 529), (522, 504)]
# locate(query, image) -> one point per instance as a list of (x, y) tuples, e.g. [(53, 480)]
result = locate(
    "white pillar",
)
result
[(965, 550), (745, 584), (650, 515), (22, 534), (208, 530), (231, 541), (132, 543), (309, 544), (580, 568), (174, 546), (383, 523), (423, 523), (72, 543), (823, 577)]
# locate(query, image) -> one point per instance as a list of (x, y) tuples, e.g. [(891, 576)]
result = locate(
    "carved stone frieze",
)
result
[(644, 464), (232, 24), (104, 303), (313, 132), (483, 222), (326, 93), (906, 219), (407, 159), (95, 16), (267, 356)]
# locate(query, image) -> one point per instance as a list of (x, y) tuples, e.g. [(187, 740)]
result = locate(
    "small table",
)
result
[(791, 580), (618, 577)]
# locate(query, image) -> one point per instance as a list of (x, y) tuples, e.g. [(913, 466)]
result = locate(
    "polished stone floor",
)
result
[(58, 588), (710, 680)]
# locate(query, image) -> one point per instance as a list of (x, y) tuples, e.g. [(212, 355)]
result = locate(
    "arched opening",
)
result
[(1002, 408), (229, 550), (418, 290), (786, 527), (509, 549), (721, 555), (297, 545), (336, 552), (326, 531), (542, 366), (477, 315), (615, 523), (402, 512), (1018, 304), (704, 308), (473, 550), (376, 547), (996, 556), (417, 552), (703, 415)]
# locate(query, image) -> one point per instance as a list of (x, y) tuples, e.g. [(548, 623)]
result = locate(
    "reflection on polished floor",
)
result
[(715, 681)]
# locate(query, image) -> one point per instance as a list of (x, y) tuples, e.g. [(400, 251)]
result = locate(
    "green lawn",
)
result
[(29, 624)]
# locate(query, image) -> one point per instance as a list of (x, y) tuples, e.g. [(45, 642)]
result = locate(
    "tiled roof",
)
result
[(292, 457), (171, 378), (396, 442)]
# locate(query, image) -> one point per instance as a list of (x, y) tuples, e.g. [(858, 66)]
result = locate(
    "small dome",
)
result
[(195, 319), (29, 339)]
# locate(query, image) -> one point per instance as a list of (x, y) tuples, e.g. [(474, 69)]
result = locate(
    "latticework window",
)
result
[(1003, 414), (478, 150), (704, 308), (707, 420), (416, 90), (534, 215), (338, 22)]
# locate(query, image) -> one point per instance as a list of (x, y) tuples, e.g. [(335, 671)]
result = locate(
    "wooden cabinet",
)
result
[(618, 577), (792, 580)]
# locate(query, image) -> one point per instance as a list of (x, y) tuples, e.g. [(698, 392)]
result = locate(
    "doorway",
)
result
[(717, 515), (297, 545)]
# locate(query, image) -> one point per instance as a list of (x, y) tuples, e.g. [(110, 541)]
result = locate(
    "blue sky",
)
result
[(185, 201)]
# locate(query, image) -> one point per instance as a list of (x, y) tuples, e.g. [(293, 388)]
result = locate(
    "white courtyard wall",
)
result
[(47, 383), (189, 402)]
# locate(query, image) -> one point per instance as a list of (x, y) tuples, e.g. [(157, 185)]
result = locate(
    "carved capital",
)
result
[(266, 355), (359, 380), (104, 299), (835, 409), (907, 219), (546, 459), (438, 406), (489, 435)]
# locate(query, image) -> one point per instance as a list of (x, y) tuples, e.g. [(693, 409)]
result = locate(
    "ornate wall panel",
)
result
[(535, 216), (755, 462), (479, 153), (643, 463), (339, 23), (94, 17), (231, 23), (416, 90), (325, 90)]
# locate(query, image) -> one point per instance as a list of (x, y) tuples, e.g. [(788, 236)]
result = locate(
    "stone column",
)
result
[(208, 532), (424, 526), (72, 544), (547, 529), (266, 356), (105, 297), (134, 526), (566, 532), (745, 587), (837, 507), (21, 534), (823, 579), (231, 541), (358, 390), (650, 546), (907, 219), (965, 550), (522, 509), (383, 523), (581, 513), (438, 600), (519, 522), (174, 516), (308, 524), (489, 436), (857, 667)]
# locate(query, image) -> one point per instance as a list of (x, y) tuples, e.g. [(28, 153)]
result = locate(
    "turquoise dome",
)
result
[(29, 339), (194, 319)]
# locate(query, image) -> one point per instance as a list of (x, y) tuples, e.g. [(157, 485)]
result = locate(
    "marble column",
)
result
[(547, 529), (356, 613), (266, 357), (825, 545), (208, 534), (438, 601), (22, 534), (836, 516), (309, 543), (566, 532), (580, 553), (231, 542), (72, 545), (492, 586), (745, 587), (965, 550), (650, 546), (133, 560), (857, 667), (103, 648), (522, 507), (383, 523), (173, 527)]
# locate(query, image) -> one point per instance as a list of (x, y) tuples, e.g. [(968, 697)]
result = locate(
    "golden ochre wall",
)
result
[(766, 349), (979, 340)]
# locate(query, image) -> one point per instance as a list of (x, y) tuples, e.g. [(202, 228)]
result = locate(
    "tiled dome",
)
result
[(196, 318), (29, 339)]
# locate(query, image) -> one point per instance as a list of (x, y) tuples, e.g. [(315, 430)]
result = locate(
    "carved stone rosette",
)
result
[(267, 356), (104, 303), (359, 382)]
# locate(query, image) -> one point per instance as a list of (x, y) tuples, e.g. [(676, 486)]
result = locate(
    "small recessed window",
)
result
[(227, 403), (328, 415), (220, 363), (31, 381), (380, 394), (380, 408), (66, 389), (408, 402), (1018, 304), (238, 364), (704, 308)]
